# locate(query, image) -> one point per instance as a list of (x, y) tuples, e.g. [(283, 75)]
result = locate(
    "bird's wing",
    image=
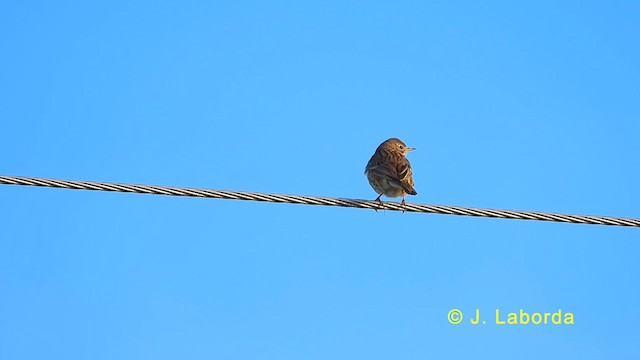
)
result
[(405, 176), (403, 170), (384, 169)]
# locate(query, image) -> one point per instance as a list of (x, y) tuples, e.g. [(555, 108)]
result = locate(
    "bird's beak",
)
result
[(411, 149)]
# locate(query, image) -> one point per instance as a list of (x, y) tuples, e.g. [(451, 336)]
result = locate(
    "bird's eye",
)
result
[(401, 147)]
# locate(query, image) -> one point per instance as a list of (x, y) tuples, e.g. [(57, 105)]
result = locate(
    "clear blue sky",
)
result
[(530, 106)]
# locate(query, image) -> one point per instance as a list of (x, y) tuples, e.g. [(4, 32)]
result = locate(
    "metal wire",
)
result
[(317, 200)]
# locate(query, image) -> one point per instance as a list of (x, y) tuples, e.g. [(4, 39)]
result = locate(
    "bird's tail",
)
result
[(408, 188)]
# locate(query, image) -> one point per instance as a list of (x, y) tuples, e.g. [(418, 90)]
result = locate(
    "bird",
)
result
[(389, 171)]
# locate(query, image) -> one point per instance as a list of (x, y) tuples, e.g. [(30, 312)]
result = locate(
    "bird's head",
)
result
[(396, 145)]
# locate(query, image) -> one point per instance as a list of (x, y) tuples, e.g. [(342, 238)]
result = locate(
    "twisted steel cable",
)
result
[(317, 200)]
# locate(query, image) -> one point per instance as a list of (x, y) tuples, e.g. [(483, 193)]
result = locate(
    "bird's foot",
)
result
[(379, 203)]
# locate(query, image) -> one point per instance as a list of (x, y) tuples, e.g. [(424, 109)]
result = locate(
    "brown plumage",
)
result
[(389, 172)]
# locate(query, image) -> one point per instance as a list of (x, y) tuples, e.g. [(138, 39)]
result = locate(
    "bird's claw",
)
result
[(379, 204)]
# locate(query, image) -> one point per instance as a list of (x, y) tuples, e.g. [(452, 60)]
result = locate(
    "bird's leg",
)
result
[(379, 201), (404, 204)]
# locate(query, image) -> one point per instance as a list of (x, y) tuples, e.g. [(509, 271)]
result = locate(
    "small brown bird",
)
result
[(389, 171)]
